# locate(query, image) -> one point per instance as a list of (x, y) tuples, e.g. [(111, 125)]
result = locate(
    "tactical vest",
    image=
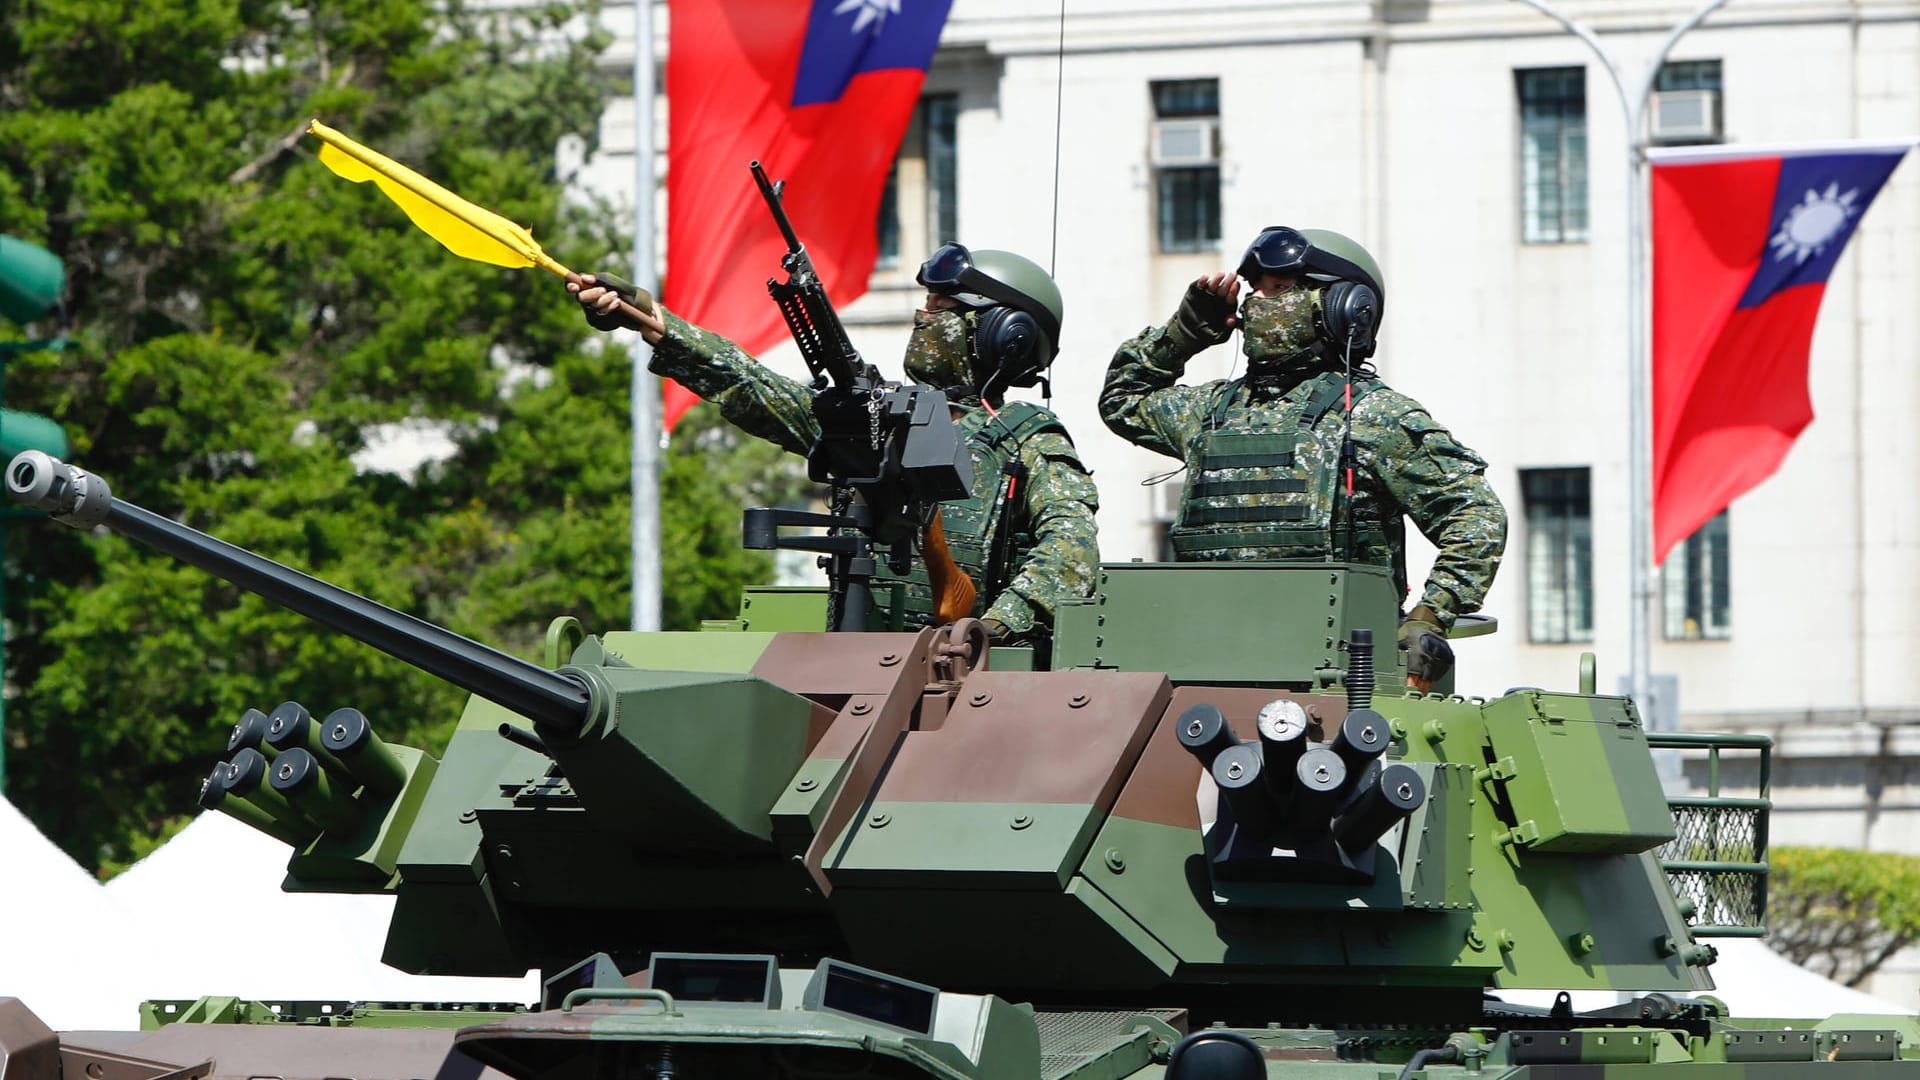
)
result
[(972, 524), (1275, 493)]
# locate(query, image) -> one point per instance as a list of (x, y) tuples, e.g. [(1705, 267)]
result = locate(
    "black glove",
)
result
[(616, 319), (1429, 657), (1202, 318)]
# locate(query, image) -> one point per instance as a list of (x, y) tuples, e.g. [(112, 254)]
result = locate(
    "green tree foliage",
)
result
[(240, 319), (1842, 913)]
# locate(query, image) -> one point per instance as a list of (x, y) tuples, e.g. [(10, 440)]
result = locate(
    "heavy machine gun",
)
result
[(892, 445)]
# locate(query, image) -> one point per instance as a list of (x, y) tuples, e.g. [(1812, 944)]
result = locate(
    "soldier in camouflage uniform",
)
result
[(991, 321), (1264, 452)]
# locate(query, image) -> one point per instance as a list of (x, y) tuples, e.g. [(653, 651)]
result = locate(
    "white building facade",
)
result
[(1479, 151)]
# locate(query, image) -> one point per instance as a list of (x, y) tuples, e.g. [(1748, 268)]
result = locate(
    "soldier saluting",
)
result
[(1279, 465), (991, 320)]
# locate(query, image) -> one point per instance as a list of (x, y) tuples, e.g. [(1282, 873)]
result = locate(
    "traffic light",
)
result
[(31, 278), (29, 431)]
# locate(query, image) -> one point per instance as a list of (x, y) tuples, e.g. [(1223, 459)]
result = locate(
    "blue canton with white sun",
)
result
[(1816, 205)]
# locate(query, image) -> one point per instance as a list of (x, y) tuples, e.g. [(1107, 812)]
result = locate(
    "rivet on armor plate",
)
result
[(980, 698), (1021, 821), (808, 784), (1077, 701), (879, 821), (889, 659), (1115, 861), (861, 708)]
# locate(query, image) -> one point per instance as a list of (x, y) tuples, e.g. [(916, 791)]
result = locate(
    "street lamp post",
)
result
[(1639, 421), (644, 393)]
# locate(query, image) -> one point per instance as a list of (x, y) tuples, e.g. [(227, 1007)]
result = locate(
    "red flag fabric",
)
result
[(818, 92), (1743, 243)]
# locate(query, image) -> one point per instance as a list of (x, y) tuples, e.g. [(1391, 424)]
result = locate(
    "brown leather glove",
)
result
[(1429, 657), (1202, 318), (997, 631)]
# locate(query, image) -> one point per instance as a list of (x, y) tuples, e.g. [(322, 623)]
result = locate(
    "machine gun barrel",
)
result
[(803, 302), (75, 497)]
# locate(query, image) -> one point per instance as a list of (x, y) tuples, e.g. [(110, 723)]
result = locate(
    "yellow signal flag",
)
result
[(469, 231)]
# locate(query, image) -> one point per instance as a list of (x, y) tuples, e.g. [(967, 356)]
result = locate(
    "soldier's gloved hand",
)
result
[(1429, 657), (593, 291), (997, 631), (1205, 315)]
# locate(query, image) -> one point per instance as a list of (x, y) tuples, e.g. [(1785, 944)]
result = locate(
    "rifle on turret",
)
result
[(893, 445)]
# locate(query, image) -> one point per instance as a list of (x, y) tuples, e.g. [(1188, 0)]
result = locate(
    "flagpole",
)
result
[(1639, 418), (644, 392)]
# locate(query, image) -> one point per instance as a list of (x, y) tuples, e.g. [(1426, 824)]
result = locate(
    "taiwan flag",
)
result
[(1743, 242), (820, 93)]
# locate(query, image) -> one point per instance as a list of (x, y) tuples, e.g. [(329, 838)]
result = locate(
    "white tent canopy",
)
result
[(205, 915), (64, 945), (202, 915)]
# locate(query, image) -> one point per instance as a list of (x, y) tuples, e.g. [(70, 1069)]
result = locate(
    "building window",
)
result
[(1553, 154), (1698, 585), (919, 209), (1559, 555), (1689, 75), (1185, 151)]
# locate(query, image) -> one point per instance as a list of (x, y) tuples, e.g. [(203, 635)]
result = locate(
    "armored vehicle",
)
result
[(1210, 834)]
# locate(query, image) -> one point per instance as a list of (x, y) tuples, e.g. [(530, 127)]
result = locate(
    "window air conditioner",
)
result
[(1686, 116), (1177, 143)]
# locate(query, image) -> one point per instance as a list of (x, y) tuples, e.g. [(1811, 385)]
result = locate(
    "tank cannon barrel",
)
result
[(75, 497)]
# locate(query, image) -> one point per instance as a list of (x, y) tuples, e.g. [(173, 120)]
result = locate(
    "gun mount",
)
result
[(794, 853)]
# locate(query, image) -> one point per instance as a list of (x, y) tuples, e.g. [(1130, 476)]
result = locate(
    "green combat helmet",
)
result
[(1355, 295), (1203, 839), (1018, 305)]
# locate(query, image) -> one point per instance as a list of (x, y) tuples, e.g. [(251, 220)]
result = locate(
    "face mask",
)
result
[(1275, 331), (939, 352)]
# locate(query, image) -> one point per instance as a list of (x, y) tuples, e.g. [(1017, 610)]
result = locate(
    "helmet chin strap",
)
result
[(1348, 460)]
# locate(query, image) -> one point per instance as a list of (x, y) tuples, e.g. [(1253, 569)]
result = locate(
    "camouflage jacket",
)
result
[(1406, 465), (1056, 554)]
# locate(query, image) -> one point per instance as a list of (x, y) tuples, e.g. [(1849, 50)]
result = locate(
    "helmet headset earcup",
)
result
[(1007, 345), (1350, 308)]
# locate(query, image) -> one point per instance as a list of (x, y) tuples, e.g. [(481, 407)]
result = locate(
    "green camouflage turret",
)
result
[(1212, 837)]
